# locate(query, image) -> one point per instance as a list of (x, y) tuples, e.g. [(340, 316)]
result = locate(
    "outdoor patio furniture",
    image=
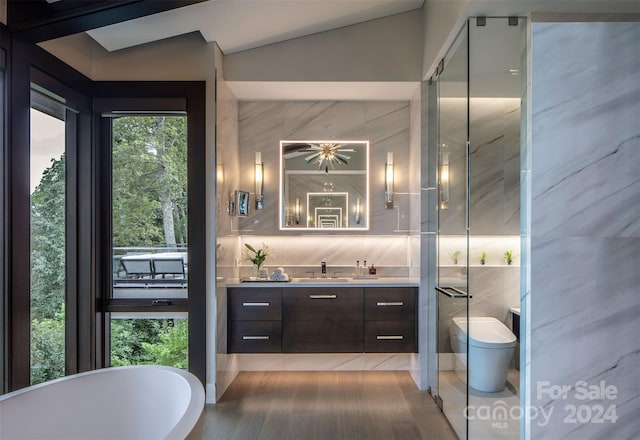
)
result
[(138, 268)]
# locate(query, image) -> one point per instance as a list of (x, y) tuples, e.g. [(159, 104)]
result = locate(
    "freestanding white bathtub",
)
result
[(139, 402)]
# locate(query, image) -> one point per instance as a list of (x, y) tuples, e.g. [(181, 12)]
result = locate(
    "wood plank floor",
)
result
[(325, 405)]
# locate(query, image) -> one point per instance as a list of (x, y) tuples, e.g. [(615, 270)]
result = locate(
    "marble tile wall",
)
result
[(415, 181), (494, 169), (222, 367), (263, 124), (299, 254), (585, 234), (426, 369)]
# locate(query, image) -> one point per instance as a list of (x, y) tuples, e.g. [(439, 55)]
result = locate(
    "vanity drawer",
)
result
[(255, 304), (390, 303), (255, 337), (390, 337), (322, 336), (320, 303)]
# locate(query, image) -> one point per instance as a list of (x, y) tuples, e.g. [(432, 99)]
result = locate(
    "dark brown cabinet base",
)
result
[(322, 320)]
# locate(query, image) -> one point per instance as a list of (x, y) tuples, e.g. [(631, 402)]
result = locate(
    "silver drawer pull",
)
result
[(389, 338), (255, 304), (323, 296), (255, 338), (399, 303)]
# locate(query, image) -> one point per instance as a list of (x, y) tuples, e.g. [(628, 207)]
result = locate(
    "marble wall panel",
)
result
[(585, 236), (424, 371), (304, 253), (221, 368), (494, 164), (263, 124), (323, 362)]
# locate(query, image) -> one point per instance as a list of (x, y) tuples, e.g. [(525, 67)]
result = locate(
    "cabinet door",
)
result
[(390, 303), (322, 336), (255, 337), (390, 337), (322, 320), (322, 303), (249, 304)]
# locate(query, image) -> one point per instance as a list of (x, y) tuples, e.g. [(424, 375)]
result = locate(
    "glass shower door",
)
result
[(453, 254), (495, 47)]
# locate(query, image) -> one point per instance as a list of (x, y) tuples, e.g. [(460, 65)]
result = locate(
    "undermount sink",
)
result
[(322, 280)]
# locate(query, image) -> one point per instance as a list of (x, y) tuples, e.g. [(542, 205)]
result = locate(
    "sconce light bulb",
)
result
[(388, 193), (444, 181), (259, 181), (297, 210)]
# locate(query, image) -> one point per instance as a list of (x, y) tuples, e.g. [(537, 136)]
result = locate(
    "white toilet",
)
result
[(491, 346)]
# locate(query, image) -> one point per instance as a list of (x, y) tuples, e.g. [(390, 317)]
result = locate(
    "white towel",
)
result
[(279, 274)]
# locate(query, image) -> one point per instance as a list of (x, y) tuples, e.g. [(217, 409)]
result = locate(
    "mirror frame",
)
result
[(364, 215)]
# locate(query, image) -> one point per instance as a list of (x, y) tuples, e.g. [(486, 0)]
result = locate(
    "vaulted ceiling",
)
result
[(235, 25)]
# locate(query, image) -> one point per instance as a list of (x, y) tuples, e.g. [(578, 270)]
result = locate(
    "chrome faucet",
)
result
[(323, 269)]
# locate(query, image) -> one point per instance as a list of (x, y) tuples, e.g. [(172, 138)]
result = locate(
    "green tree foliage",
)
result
[(172, 348), (149, 181), (149, 342), (48, 242), (48, 274), (47, 348), (149, 184)]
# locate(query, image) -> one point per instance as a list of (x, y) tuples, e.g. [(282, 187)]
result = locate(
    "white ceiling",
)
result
[(238, 25)]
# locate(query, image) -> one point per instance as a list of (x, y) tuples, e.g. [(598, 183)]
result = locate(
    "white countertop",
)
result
[(350, 282)]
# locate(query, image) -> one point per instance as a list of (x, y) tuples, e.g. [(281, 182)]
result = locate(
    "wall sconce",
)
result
[(231, 204), (388, 182), (297, 211), (219, 174), (444, 180), (259, 181), (358, 210)]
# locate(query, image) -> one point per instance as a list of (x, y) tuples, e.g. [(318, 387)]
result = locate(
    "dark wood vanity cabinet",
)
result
[(322, 319), (390, 317), (255, 320)]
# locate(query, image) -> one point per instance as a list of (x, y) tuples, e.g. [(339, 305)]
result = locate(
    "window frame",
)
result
[(88, 242), (27, 65), (122, 98)]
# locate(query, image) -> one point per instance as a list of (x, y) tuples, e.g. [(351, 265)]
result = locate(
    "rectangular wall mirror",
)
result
[(324, 185)]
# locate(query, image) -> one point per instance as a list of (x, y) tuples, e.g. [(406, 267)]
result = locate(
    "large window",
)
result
[(150, 268), (48, 239)]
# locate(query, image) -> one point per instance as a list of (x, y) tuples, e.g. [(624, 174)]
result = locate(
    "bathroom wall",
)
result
[(582, 302), (225, 366), (424, 367), (494, 216), (386, 124), (494, 169), (384, 49)]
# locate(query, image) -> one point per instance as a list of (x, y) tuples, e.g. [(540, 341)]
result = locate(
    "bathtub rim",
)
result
[(187, 423)]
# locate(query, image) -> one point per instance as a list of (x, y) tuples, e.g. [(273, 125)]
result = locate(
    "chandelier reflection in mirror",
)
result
[(325, 155), (324, 184)]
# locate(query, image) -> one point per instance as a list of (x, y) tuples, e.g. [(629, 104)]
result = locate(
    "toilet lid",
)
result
[(485, 332)]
